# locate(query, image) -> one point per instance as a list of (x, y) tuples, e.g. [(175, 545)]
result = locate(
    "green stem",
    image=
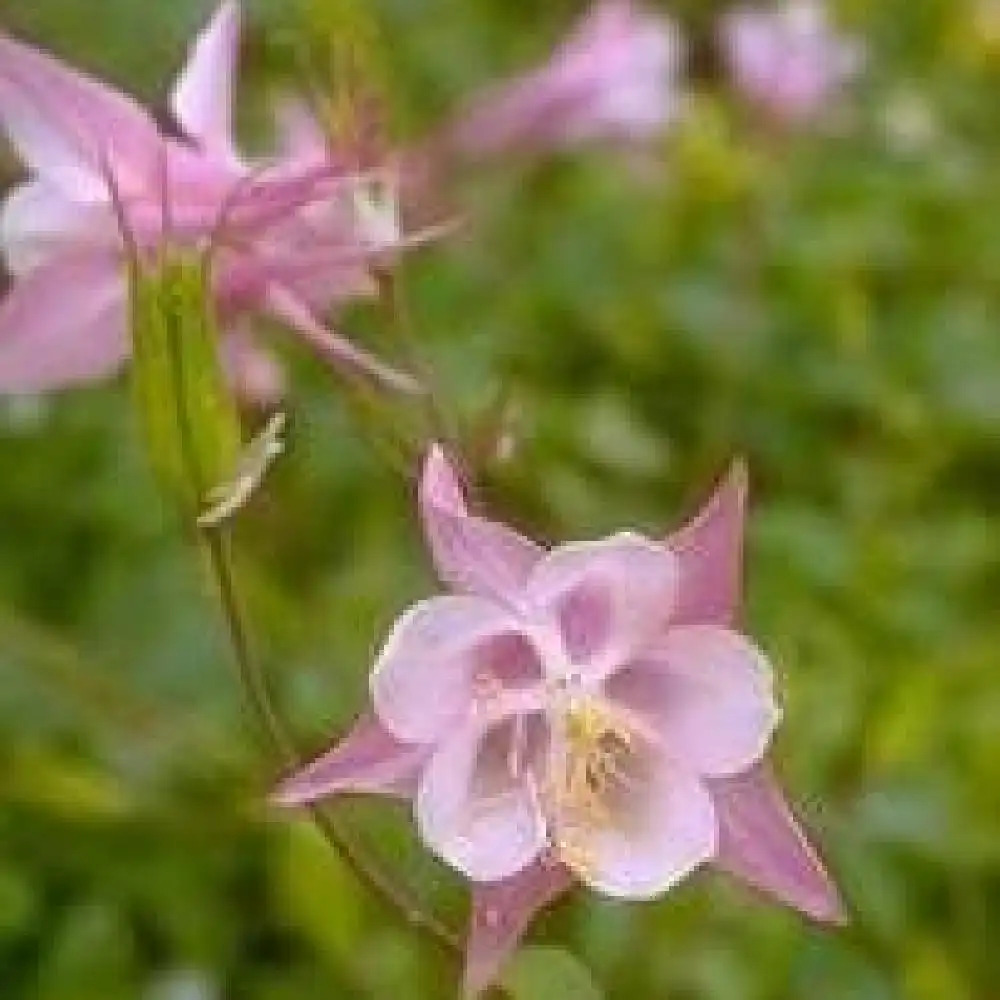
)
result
[(251, 681), (255, 687), (259, 701)]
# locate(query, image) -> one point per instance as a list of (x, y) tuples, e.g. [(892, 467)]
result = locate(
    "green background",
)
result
[(825, 304)]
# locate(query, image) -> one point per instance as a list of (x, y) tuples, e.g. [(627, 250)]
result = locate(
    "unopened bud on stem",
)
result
[(184, 402)]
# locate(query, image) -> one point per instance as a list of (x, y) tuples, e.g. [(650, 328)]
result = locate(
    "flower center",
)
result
[(591, 751)]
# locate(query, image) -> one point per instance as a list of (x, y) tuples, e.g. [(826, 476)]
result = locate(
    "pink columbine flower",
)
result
[(790, 61), (614, 78), (86, 146), (587, 713)]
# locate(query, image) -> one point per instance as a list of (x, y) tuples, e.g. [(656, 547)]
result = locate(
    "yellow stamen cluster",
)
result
[(588, 764)]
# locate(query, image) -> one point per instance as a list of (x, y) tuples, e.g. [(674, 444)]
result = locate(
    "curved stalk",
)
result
[(215, 543), (259, 701)]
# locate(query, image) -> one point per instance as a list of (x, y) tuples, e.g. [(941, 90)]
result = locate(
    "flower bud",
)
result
[(185, 406)]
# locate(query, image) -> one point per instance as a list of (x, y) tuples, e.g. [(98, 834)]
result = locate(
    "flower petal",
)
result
[(706, 694), (425, 678), (613, 79), (298, 132), (62, 324), (38, 222), (202, 100), (791, 60), (368, 759), (502, 912), (612, 598), (666, 827), (253, 371), (710, 550), (345, 357), (761, 842), (471, 553), (475, 809), (631, 60), (70, 128)]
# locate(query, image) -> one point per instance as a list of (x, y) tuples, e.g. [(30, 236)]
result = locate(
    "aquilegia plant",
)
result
[(586, 714)]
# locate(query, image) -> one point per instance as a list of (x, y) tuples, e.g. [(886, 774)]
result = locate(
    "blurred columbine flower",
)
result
[(789, 61), (614, 78), (100, 165), (584, 714)]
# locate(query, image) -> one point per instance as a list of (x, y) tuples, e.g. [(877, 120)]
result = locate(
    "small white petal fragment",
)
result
[(377, 212), (257, 458)]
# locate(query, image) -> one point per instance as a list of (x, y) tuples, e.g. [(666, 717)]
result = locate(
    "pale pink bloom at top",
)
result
[(614, 78), (791, 61), (586, 714), (86, 145)]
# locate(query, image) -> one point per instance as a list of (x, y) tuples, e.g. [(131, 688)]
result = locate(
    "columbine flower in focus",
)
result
[(583, 714), (88, 147), (614, 78), (791, 62)]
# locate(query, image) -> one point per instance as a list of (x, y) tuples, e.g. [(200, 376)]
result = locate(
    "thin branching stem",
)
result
[(216, 544), (268, 720)]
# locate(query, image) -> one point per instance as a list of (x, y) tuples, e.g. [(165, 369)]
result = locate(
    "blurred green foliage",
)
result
[(826, 304)]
